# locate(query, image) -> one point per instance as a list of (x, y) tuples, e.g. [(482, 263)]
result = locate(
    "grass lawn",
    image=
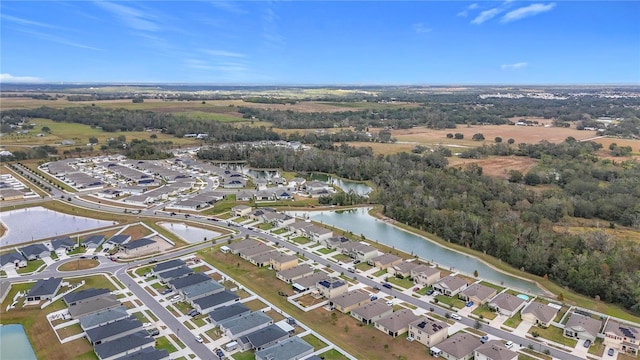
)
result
[(266, 226), (182, 306), (151, 315), (314, 341), (255, 304), (301, 240), (561, 313), (451, 301), (333, 354), (554, 334), (247, 355), (485, 312), (342, 258), (597, 348), (537, 355), (280, 231), (199, 320), (79, 264), (325, 251), (140, 316), (163, 343), (70, 330), (78, 250), (363, 266), (380, 273), (32, 266), (403, 283), (143, 270), (513, 321), (213, 334), (424, 290)]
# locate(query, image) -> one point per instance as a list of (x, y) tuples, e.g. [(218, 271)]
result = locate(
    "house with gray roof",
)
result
[(293, 348), (35, 251), (294, 273), (208, 303), (227, 312), (332, 287), (262, 338), (334, 242), (44, 289), (385, 260), (124, 346), (506, 304), (167, 276), (12, 260), (63, 244), (243, 325), (179, 283), (494, 350), (450, 285), (168, 265), (402, 269), (372, 311), (582, 327), (201, 289), (114, 330), (81, 309), (308, 282), (425, 275), (140, 245), (350, 300), (93, 241), (428, 331), (261, 259), (84, 295), (397, 323), (621, 336), (477, 293), (539, 314), (251, 251), (116, 241), (103, 317), (148, 353), (460, 346), (236, 246)]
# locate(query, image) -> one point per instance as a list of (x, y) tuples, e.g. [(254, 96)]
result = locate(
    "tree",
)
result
[(532, 178), (477, 325), (449, 136), (515, 176), (475, 273), (511, 141), (153, 136), (46, 129), (478, 137), (137, 100), (93, 140), (458, 136), (498, 139)]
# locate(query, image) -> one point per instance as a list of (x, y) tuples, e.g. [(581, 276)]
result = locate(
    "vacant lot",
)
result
[(498, 165)]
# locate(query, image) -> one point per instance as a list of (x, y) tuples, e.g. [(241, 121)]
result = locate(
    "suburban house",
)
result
[(103, 317), (280, 261), (334, 242), (179, 283), (241, 210), (285, 221), (425, 275), (428, 331), (359, 251), (350, 300), (477, 293), (297, 182), (117, 329), (264, 195), (539, 314), (249, 252), (332, 287), (262, 338), (84, 295), (460, 346), (44, 289), (450, 285), (506, 304), (35, 251), (317, 233), (294, 273), (297, 227), (293, 348), (208, 303), (372, 311), (235, 247), (93, 241), (123, 346), (310, 281), (494, 350), (167, 276), (227, 312), (625, 338), (397, 323), (201, 289), (283, 194), (116, 241), (167, 265), (105, 302), (402, 269), (261, 259), (63, 245), (12, 260), (244, 195), (140, 246), (148, 353), (243, 325), (582, 327), (384, 261)]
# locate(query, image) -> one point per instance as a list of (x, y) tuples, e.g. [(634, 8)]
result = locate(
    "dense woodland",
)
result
[(504, 219)]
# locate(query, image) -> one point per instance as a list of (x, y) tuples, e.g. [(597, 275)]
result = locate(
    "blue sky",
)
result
[(321, 42)]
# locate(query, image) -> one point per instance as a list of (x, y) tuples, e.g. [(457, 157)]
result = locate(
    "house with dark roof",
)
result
[(179, 283), (249, 252), (96, 305), (103, 317), (114, 330), (506, 304), (385, 260), (35, 251), (44, 289), (243, 325), (450, 285), (293, 348), (494, 350), (334, 242), (123, 346), (460, 346), (539, 314), (623, 337), (147, 353), (262, 338), (308, 282), (294, 273), (372, 311), (223, 313), (63, 245), (84, 295), (402, 269), (582, 327), (168, 265), (167, 276), (350, 300), (428, 331), (425, 275), (140, 246), (210, 302), (236, 246), (397, 323), (93, 241), (116, 241), (201, 289), (12, 260), (477, 293)]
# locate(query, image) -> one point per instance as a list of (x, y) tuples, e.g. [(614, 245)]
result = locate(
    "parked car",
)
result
[(95, 257), (355, 262), (194, 312), (509, 344), (373, 298), (351, 270), (611, 352), (469, 304), (377, 287), (484, 339), (167, 291), (410, 338), (199, 339), (387, 285), (154, 332), (219, 354), (456, 317), (389, 302), (416, 288), (430, 292), (587, 343)]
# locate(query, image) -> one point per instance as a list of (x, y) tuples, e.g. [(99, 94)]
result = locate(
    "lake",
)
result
[(359, 222), (189, 233), (14, 344), (29, 224), (345, 185)]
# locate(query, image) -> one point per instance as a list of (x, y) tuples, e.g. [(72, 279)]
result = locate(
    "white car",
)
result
[(456, 317), (509, 344), (199, 339)]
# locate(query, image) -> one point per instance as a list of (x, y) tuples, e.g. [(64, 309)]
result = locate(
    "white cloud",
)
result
[(419, 28), (228, 6), (527, 11), (130, 16), (22, 21), (465, 12), (198, 64), (8, 78), (224, 53), (519, 65), (487, 15), (59, 40)]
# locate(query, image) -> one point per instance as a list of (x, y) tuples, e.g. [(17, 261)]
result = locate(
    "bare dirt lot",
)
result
[(498, 166)]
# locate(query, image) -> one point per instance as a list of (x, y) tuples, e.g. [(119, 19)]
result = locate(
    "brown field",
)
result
[(136, 231), (79, 264), (498, 165), (584, 226)]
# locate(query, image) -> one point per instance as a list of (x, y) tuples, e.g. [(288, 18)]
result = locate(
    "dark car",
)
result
[(153, 261), (611, 352), (193, 313), (430, 292), (484, 339), (95, 257), (387, 285), (219, 353), (587, 343), (83, 257), (166, 291), (154, 332)]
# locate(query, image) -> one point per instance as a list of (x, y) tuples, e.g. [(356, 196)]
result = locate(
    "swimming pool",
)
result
[(523, 297)]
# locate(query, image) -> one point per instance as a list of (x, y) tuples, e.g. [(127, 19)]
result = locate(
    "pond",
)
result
[(345, 185), (14, 343), (191, 234), (29, 224), (359, 222)]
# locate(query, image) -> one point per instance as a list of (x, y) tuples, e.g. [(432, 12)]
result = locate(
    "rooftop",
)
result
[(460, 345), (45, 287), (291, 348), (123, 344)]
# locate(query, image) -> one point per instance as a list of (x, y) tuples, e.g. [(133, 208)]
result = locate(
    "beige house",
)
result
[(425, 275), (494, 350), (280, 261), (291, 274), (402, 269), (397, 323), (428, 331), (539, 314), (460, 346), (477, 293), (332, 287), (582, 327), (384, 261), (372, 311), (623, 337), (241, 210), (506, 304), (349, 300), (450, 285)]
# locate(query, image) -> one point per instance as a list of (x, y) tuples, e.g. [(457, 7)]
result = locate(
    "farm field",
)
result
[(497, 165)]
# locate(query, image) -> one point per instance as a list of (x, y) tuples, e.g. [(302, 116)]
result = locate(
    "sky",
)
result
[(321, 42)]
